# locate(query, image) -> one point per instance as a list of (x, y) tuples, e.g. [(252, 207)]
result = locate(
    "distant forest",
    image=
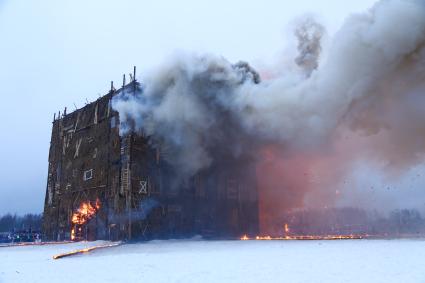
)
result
[(304, 222), (10, 223)]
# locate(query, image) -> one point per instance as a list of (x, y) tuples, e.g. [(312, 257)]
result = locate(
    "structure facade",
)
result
[(105, 186)]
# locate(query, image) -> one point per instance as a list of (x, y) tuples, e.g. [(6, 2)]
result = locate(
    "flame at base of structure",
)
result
[(84, 213), (306, 237), (289, 235)]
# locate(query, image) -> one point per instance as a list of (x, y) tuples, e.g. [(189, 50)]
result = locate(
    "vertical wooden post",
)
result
[(95, 114)]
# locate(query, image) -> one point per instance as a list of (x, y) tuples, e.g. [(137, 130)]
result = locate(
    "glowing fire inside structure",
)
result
[(84, 213)]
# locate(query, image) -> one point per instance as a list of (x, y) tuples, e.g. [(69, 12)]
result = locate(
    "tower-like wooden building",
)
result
[(102, 185)]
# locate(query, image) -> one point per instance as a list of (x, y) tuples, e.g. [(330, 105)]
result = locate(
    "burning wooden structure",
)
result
[(105, 186)]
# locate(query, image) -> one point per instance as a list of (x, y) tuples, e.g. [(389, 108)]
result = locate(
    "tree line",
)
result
[(12, 222), (399, 222)]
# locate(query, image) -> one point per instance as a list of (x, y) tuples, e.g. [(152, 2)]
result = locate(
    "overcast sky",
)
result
[(57, 53)]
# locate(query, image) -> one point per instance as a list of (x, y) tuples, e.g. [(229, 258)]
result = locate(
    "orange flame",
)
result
[(308, 237), (84, 213), (73, 233), (245, 237)]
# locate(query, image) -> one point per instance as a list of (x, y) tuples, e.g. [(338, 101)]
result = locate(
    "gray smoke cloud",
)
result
[(364, 101), (309, 34), (186, 106)]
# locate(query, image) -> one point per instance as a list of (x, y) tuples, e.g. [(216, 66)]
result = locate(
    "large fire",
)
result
[(84, 213)]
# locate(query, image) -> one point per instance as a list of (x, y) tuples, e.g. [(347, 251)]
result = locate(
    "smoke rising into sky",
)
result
[(307, 128), (321, 102)]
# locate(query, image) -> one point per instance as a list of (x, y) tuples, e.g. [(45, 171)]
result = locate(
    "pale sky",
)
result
[(57, 53)]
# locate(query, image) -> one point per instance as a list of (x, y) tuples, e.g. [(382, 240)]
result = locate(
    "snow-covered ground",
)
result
[(221, 261)]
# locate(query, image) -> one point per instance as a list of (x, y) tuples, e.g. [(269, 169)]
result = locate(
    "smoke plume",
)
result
[(309, 34), (363, 103)]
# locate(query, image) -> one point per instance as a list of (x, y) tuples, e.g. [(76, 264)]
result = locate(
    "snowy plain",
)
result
[(221, 261)]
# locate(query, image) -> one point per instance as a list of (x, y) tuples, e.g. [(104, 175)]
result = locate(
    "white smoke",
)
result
[(370, 87), (370, 59), (186, 107)]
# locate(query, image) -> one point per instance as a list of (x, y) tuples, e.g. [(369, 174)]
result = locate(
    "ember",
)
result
[(85, 212)]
